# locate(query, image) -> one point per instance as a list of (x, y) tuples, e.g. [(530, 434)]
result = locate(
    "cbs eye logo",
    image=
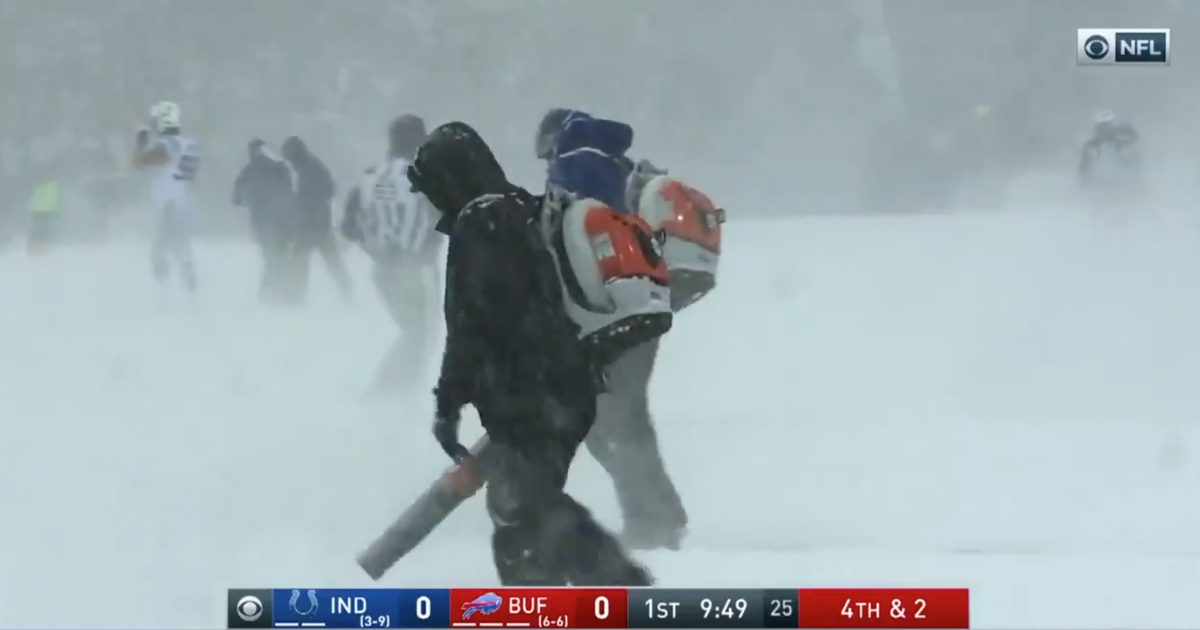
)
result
[(249, 608), (1096, 47)]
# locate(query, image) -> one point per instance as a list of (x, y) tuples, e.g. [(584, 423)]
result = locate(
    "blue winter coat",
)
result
[(589, 159)]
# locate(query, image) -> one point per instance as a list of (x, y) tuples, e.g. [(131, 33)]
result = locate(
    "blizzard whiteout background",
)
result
[(1000, 395)]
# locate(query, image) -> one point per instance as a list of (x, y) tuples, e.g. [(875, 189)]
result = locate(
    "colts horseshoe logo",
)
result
[(312, 603)]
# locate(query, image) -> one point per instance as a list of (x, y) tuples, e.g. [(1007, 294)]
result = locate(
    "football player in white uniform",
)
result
[(396, 228), (174, 161)]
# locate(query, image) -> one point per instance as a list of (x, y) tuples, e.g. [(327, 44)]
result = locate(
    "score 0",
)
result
[(600, 608)]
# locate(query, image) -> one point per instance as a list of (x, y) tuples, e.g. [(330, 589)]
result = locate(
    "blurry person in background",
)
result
[(44, 206), (1110, 162), (175, 161), (1111, 139), (315, 190), (396, 228), (264, 187)]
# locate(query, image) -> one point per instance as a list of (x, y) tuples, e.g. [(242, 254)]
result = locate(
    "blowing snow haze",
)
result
[(937, 354)]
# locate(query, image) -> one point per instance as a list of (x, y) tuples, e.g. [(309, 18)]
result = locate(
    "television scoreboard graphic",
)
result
[(928, 608)]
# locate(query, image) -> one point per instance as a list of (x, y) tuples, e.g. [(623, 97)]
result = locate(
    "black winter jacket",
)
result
[(264, 187), (509, 341), (315, 188)]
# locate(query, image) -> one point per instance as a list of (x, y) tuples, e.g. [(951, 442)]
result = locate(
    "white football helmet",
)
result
[(1104, 117), (165, 115)]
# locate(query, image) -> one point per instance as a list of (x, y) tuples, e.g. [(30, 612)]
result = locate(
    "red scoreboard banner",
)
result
[(600, 608), (539, 608), (884, 608)]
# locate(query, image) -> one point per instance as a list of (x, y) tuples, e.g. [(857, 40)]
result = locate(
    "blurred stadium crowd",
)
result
[(862, 104)]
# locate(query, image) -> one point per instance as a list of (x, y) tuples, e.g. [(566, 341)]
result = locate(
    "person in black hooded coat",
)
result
[(264, 187), (514, 354), (315, 190)]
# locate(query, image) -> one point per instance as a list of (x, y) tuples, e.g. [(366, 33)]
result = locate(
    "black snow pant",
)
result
[(626, 445), (543, 536), (278, 282), (410, 292)]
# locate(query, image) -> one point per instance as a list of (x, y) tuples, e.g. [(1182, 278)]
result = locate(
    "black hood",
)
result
[(453, 168), (294, 149)]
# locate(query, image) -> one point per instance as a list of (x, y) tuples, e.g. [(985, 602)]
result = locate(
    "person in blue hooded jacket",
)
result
[(586, 156)]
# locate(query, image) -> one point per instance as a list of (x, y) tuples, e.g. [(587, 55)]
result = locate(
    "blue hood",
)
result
[(589, 158), (581, 131)]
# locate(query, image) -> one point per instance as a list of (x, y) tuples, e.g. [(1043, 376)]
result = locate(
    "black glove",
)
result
[(445, 431), (143, 138)]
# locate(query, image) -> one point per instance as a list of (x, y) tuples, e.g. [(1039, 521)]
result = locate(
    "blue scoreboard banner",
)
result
[(338, 608)]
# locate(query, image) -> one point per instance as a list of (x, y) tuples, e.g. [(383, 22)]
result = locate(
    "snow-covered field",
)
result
[(1005, 403)]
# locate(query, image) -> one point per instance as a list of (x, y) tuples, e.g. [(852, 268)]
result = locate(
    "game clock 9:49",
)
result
[(724, 607)]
